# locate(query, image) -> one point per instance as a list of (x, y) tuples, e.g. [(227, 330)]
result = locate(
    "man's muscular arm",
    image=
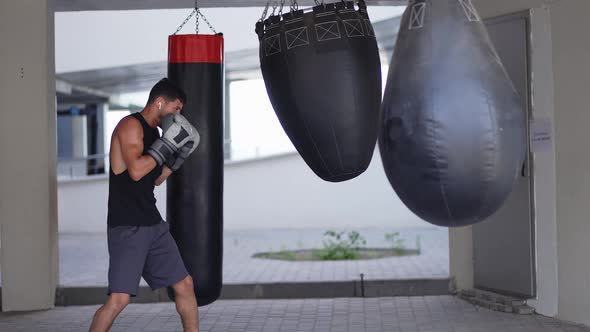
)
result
[(130, 135)]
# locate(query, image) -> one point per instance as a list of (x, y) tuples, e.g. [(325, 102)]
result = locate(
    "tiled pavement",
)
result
[(84, 261), (401, 314), (84, 257)]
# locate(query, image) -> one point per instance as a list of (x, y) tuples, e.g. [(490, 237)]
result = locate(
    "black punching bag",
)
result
[(323, 76), (195, 191), (453, 135)]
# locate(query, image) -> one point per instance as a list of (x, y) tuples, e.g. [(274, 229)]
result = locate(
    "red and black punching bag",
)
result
[(195, 191)]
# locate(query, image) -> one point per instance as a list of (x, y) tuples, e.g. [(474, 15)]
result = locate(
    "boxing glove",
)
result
[(176, 133)]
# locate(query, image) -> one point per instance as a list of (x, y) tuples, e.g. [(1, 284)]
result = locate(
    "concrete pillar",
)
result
[(461, 256), (106, 136), (101, 117), (79, 136), (28, 190), (79, 165), (227, 120)]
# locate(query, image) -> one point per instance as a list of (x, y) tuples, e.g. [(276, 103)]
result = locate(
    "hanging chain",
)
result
[(206, 21), (197, 18), (186, 20), (294, 5), (197, 12), (282, 5), (274, 8), (265, 12)]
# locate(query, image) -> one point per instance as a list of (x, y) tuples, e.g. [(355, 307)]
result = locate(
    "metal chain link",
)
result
[(197, 19), (207, 21), (265, 12), (294, 5), (282, 5), (186, 20), (197, 12), (274, 7)]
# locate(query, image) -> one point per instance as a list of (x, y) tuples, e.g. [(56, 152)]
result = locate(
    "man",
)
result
[(139, 241)]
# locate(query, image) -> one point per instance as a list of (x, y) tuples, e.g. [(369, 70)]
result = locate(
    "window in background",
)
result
[(134, 99), (113, 118), (255, 129)]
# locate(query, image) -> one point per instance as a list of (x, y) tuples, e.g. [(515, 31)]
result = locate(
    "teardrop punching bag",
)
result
[(323, 76), (195, 191), (453, 135)]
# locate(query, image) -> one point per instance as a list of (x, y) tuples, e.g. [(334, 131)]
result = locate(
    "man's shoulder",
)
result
[(130, 120), (128, 123)]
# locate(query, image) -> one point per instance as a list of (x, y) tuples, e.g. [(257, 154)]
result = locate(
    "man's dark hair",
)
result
[(168, 90)]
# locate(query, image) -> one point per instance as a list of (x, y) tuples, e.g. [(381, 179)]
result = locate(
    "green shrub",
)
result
[(396, 243), (337, 248)]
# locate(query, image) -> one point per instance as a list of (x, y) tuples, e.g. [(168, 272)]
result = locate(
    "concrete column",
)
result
[(28, 190), (79, 136), (106, 136), (101, 116), (227, 120), (79, 166), (461, 256)]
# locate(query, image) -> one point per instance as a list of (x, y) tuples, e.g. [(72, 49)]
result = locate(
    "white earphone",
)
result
[(160, 106)]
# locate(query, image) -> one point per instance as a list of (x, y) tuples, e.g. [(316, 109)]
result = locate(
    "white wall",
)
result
[(279, 192), (283, 192), (82, 204)]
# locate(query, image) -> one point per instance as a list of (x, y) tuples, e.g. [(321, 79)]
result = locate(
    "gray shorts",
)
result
[(143, 251)]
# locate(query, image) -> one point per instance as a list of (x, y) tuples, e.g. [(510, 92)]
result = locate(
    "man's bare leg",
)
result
[(106, 315), (186, 304)]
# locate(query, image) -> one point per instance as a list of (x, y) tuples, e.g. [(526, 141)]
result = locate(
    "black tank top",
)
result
[(133, 203)]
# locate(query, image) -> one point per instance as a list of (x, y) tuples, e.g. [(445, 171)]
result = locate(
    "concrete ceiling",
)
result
[(80, 5)]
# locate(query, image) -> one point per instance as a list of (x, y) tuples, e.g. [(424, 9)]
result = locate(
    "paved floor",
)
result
[(84, 257), (416, 314)]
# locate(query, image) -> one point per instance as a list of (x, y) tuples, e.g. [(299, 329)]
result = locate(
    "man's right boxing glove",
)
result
[(181, 156), (184, 152), (176, 132)]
